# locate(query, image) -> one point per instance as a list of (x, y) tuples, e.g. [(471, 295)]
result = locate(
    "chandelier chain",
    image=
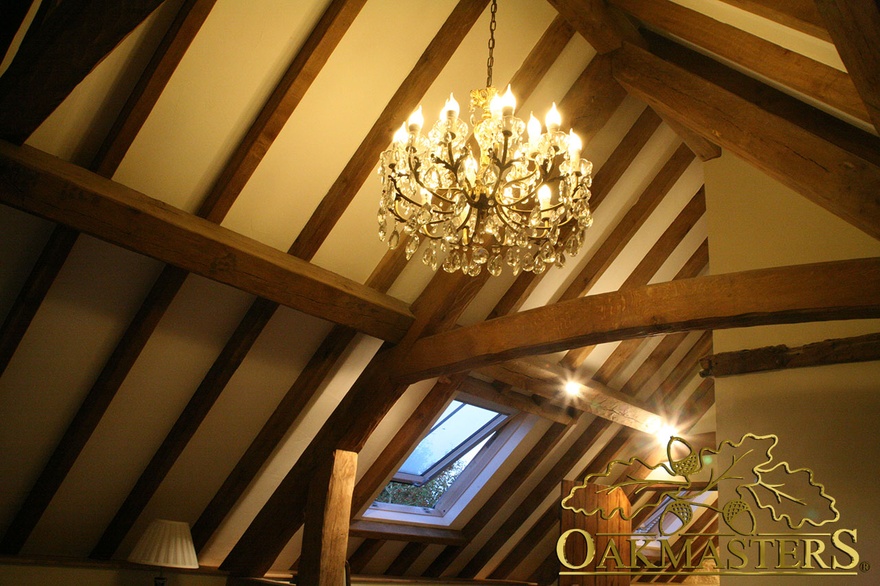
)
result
[(491, 60)]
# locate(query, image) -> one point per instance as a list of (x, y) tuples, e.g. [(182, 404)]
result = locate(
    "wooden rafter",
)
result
[(787, 68), (603, 28), (838, 180), (836, 351), (62, 192), (855, 27), (349, 426), (800, 15), (813, 292), (55, 56), (167, 56)]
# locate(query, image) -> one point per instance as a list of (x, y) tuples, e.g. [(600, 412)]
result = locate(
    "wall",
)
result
[(825, 417)]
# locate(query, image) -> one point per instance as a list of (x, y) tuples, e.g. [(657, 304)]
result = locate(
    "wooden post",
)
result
[(601, 531), (325, 532)]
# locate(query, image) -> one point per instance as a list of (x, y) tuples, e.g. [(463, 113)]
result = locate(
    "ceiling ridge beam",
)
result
[(848, 289), (842, 182), (790, 69), (162, 65)]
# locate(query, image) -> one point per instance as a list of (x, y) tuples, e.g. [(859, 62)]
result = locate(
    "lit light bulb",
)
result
[(534, 130), (508, 103), (401, 135), (544, 195), (574, 147), (450, 109), (553, 120), (416, 121), (664, 433), (495, 106), (572, 388)]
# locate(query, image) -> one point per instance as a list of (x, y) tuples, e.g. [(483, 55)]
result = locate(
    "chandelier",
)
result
[(507, 192)]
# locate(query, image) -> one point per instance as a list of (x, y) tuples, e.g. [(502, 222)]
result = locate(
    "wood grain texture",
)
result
[(800, 15), (411, 533), (604, 29), (788, 68), (811, 292), (55, 56), (836, 351), (325, 535), (855, 27), (840, 181), (46, 186)]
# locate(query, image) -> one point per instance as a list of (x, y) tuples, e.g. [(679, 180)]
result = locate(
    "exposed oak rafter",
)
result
[(813, 292), (840, 181), (62, 192)]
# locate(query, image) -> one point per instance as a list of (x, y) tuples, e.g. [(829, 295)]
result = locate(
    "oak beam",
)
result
[(812, 292), (515, 400), (801, 15), (836, 351), (57, 54), (838, 180), (325, 535), (62, 192), (790, 69), (855, 27), (604, 28)]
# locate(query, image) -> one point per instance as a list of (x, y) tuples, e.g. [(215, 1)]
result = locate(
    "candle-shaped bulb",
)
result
[(401, 135), (574, 147), (553, 120), (495, 106), (544, 195), (508, 103), (450, 109), (415, 122), (534, 129)]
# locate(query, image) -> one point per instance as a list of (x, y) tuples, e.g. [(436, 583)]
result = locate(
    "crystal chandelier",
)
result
[(506, 192)]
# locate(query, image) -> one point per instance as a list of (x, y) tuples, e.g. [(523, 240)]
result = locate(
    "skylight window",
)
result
[(459, 436)]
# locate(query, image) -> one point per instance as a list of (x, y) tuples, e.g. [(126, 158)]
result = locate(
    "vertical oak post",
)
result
[(590, 499), (325, 532)]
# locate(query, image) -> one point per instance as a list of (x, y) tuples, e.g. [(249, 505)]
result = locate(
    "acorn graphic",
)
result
[(679, 508), (739, 517), (690, 464)]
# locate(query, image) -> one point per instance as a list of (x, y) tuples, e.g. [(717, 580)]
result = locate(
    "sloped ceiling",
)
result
[(155, 365)]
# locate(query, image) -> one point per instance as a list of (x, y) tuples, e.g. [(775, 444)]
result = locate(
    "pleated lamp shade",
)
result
[(166, 543)]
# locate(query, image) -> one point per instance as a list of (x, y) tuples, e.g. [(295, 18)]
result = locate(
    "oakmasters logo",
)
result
[(772, 518)]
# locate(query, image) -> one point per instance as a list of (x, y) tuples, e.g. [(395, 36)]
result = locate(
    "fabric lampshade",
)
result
[(166, 543)]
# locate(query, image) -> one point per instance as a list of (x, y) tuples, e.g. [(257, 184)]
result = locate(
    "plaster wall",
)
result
[(825, 417)]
